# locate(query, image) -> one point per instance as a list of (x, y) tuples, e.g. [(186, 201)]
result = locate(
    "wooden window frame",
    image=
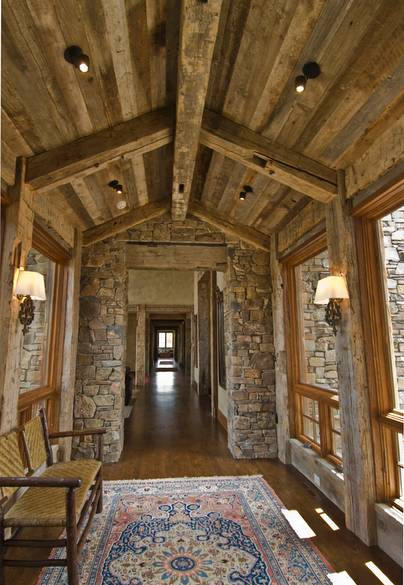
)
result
[(387, 421), (326, 398), (221, 340), (49, 392)]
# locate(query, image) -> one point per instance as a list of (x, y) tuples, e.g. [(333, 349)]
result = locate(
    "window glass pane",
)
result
[(33, 371), (335, 420), (162, 339), (392, 226), (310, 408), (336, 445), (311, 430), (318, 365), (169, 340)]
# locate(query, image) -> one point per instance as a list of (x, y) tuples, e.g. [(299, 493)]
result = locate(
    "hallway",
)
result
[(171, 434)]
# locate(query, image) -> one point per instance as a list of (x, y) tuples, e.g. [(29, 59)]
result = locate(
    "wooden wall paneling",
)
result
[(272, 159), (198, 31), (310, 217), (16, 245), (12, 144), (357, 445), (244, 233)]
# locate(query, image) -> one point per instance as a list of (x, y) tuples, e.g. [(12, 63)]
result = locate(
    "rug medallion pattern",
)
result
[(197, 531)]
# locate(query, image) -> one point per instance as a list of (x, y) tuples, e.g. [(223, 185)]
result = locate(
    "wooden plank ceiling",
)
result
[(240, 57)]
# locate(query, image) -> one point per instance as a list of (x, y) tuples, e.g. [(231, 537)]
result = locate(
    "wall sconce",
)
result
[(30, 287), (331, 291)]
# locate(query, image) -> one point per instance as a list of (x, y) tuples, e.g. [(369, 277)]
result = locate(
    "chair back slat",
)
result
[(35, 443), (11, 463)]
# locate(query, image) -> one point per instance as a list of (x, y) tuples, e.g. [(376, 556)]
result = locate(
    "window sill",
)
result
[(390, 522)]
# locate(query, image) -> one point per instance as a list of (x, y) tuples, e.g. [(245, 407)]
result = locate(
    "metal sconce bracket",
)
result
[(333, 313), (26, 313)]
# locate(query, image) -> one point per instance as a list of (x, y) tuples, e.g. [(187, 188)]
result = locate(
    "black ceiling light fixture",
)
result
[(310, 70), (118, 188), (243, 193), (75, 56)]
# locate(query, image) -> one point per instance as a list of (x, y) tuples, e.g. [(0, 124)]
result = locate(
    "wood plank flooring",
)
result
[(171, 434)]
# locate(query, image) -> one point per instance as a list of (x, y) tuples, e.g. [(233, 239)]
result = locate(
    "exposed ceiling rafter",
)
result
[(91, 153), (274, 160), (125, 221), (198, 30)]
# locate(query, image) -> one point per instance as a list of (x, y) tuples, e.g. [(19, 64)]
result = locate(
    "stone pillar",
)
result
[(101, 356), (249, 354), (140, 346)]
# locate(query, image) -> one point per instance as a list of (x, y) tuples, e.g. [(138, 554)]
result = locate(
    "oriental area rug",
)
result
[(193, 531)]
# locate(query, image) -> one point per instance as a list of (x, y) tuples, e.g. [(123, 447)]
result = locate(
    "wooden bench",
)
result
[(64, 495)]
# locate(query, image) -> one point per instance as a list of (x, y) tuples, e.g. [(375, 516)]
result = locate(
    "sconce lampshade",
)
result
[(331, 287), (31, 284)]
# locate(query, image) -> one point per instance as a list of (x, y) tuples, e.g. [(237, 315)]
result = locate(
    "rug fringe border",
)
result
[(186, 477)]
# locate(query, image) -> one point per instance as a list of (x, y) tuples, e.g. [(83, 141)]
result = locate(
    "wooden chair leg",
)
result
[(71, 539), (2, 552), (100, 499)]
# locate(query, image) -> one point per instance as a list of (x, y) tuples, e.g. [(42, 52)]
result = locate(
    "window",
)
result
[(42, 346), (311, 353), (380, 239), (166, 339)]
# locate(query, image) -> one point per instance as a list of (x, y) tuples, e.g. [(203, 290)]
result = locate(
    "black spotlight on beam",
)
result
[(75, 56), (116, 186), (310, 70), (243, 193)]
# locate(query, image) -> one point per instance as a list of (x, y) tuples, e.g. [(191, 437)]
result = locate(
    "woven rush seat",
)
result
[(47, 506)]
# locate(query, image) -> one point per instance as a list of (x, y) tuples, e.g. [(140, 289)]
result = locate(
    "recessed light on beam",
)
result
[(75, 56)]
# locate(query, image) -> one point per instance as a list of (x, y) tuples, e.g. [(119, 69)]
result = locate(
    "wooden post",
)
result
[(213, 346), (353, 388), (16, 245), (281, 379), (141, 346)]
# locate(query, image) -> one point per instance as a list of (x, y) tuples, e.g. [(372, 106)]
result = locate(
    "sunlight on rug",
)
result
[(196, 531)]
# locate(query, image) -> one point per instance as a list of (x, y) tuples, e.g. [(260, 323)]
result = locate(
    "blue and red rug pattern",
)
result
[(194, 531)]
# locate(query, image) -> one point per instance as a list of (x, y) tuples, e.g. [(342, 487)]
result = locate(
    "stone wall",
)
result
[(393, 232), (319, 365), (249, 354), (34, 343), (165, 229), (100, 377)]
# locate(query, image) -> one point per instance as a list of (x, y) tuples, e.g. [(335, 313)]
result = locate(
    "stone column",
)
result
[(140, 346), (249, 359), (101, 356)]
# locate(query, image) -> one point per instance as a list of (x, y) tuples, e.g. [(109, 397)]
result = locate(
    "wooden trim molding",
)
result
[(222, 419)]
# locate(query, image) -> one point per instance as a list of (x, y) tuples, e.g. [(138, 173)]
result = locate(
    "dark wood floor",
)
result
[(171, 434)]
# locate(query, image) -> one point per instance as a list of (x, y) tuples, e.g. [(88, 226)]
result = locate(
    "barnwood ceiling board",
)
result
[(97, 194), (177, 257), (12, 145), (220, 169), (85, 155), (384, 45), (75, 203), (126, 221), (265, 189), (279, 163), (173, 9), (87, 199), (198, 31), (334, 42), (245, 233)]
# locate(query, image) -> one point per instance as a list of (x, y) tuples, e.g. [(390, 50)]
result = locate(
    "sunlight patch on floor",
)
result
[(327, 519), (378, 573), (298, 523), (341, 578)]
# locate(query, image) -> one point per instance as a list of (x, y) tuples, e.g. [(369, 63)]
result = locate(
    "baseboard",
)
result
[(222, 419)]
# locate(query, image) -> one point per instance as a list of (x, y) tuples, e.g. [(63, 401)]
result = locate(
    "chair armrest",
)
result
[(82, 433), (34, 481)]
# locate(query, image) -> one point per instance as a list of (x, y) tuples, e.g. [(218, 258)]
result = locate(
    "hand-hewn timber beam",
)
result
[(256, 152), (242, 232), (198, 30), (126, 221), (176, 257), (91, 153)]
